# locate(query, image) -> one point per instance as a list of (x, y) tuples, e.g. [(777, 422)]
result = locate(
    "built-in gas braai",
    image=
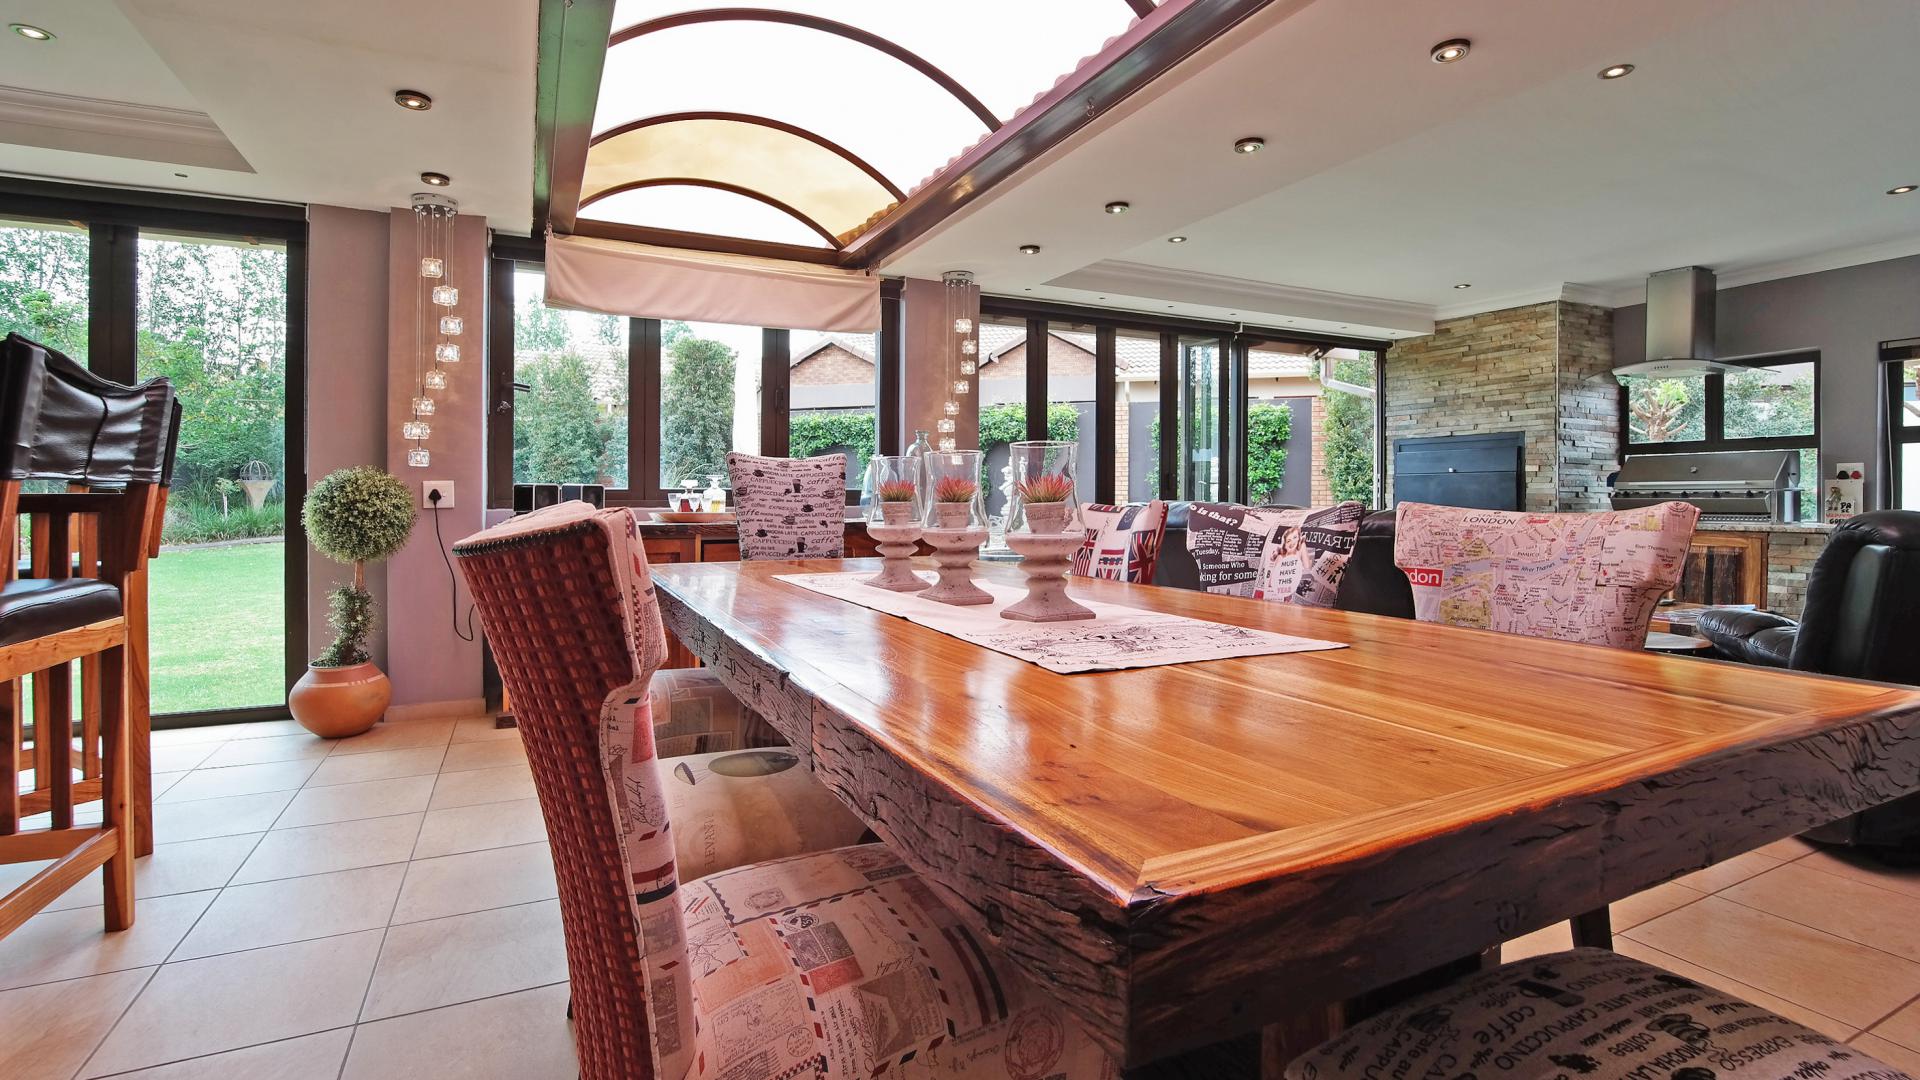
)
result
[(1739, 485)]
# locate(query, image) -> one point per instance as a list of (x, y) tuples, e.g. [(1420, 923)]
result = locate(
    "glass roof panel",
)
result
[(1004, 51), (703, 210), (807, 177), (894, 118)]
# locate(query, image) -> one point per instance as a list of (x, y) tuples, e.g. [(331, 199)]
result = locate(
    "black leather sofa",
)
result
[(1859, 622), (1373, 584)]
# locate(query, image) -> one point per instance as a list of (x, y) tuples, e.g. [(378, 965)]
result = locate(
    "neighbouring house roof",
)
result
[(1138, 356), (860, 345)]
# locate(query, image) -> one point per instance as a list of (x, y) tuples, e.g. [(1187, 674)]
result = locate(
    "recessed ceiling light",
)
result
[(31, 33), (1451, 50), (1616, 71), (1252, 144), (1029, 249), (1464, 285), (1118, 207), (435, 179), (1176, 239), (412, 99), (1902, 189)]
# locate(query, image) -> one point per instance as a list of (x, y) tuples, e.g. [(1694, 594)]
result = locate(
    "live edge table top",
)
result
[(1184, 853)]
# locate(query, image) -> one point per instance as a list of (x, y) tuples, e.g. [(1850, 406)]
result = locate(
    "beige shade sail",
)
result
[(638, 280)]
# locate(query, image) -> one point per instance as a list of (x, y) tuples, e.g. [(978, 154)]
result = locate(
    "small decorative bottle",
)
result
[(714, 499), (916, 456)]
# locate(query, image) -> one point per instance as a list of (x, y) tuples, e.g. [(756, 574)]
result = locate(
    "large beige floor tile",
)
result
[(1652, 903), (1849, 907), (1902, 1027), (56, 945), (475, 881), (1731, 872), (446, 961), (1889, 1053), (198, 1007), (182, 757), (483, 825), (1792, 1010), (322, 849), (301, 747), (309, 1057), (384, 765), (1852, 863), (482, 786), (206, 783), (403, 735), (187, 866), (260, 729), (177, 821), (462, 757), (163, 782), (351, 802), (295, 909), (1789, 849), (1547, 939), (481, 729), (46, 1032), (1830, 975), (511, 1037)]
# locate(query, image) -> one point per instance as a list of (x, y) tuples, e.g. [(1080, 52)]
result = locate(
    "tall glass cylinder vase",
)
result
[(1043, 497), (956, 524), (892, 491)]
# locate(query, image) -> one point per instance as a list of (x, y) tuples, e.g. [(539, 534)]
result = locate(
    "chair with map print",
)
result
[(765, 971)]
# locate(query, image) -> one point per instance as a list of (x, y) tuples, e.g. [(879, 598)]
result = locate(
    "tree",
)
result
[(43, 287), (561, 435), (1268, 429), (1349, 443), (811, 433), (1666, 410), (696, 408)]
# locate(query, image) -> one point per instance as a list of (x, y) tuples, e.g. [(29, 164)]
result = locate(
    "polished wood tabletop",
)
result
[(1185, 853)]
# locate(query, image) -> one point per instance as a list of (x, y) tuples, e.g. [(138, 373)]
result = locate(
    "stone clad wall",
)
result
[(1790, 558), (1589, 410)]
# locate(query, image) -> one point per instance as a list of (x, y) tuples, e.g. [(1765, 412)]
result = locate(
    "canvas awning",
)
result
[(615, 278)]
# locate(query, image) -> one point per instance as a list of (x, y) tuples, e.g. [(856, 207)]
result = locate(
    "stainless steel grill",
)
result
[(1743, 485)]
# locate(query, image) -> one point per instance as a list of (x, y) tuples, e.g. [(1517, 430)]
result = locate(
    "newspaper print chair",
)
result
[(1588, 578), (835, 965), (790, 508), (1123, 542), (736, 790), (1588, 1013)]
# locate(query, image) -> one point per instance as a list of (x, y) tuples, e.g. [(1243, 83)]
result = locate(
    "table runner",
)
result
[(1117, 638)]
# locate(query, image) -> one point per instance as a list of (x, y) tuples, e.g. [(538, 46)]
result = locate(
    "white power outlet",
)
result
[(444, 487)]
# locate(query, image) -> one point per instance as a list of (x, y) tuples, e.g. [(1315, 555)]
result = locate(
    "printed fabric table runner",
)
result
[(1117, 638)]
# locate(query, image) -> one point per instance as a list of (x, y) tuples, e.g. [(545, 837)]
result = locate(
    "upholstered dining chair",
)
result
[(61, 423), (1123, 542), (761, 972), (790, 508), (1591, 578)]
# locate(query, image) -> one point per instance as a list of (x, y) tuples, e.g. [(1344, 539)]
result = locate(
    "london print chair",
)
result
[(841, 964), (790, 508)]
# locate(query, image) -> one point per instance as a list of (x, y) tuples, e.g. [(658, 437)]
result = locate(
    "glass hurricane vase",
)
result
[(892, 489), (1042, 496), (956, 524)]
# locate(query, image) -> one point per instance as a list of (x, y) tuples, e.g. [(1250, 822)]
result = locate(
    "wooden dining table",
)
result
[(1189, 853)]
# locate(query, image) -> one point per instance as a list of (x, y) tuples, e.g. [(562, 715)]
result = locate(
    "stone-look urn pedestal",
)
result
[(954, 549), (895, 533), (1044, 556), (335, 702)]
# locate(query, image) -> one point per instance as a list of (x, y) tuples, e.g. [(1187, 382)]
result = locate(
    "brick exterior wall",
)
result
[(832, 366), (1540, 370), (1321, 486), (1122, 405)]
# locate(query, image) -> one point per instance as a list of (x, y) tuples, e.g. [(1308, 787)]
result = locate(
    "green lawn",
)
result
[(218, 620)]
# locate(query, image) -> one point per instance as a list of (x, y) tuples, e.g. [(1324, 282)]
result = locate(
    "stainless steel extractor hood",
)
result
[(1680, 326)]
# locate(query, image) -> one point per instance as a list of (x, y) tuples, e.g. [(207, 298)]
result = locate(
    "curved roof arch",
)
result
[(717, 185), (761, 121)]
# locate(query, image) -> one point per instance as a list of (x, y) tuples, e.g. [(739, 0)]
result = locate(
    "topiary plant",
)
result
[(356, 516)]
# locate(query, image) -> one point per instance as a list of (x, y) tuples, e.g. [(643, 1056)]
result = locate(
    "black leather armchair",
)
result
[(1372, 583), (1859, 622)]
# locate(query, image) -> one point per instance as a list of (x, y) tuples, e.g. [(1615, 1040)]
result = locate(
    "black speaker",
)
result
[(592, 493)]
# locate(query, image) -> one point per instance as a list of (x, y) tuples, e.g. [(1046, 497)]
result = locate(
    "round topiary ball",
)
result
[(358, 515)]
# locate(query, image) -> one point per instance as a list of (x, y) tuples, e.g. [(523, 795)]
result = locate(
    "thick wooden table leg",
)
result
[(1281, 1042), (1593, 929)]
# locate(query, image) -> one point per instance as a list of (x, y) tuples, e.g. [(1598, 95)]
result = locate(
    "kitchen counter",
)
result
[(1804, 528)]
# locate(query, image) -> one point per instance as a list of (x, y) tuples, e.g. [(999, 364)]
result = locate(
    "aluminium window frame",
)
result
[(1894, 357)]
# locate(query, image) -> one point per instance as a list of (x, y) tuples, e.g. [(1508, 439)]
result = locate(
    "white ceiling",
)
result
[(302, 90), (1755, 137)]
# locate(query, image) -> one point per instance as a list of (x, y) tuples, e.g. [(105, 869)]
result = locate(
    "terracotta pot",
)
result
[(335, 702)]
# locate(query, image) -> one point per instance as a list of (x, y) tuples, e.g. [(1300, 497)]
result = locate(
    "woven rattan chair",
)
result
[(836, 964), (790, 508)]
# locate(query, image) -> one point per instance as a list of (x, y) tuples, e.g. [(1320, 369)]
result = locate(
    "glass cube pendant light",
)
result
[(967, 367), (451, 325), (952, 408), (947, 443), (419, 458), (435, 379), (447, 353), (432, 268), (446, 295), (963, 326), (969, 347), (423, 406), (944, 426), (962, 386), (415, 430)]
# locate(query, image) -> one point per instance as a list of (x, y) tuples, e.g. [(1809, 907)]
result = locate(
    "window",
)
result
[(644, 406), (1136, 415), (1772, 405), (1202, 432), (1072, 360), (1902, 465), (1347, 450)]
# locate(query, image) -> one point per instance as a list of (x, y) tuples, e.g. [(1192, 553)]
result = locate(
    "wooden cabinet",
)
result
[(1725, 568)]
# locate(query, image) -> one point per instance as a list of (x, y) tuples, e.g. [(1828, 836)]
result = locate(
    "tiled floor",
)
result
[(383, 907)]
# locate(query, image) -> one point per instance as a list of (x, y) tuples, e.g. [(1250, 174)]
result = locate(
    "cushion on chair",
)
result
[(746, 806), (1305, 557), (695, 713), (1753, 637), (36, 607), (790, 508), (845, 964), (1123, 542), (1592, 578), (1588, 1014), (1223, 542)]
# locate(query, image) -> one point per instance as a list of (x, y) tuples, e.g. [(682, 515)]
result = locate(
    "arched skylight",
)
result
[(828, 109)]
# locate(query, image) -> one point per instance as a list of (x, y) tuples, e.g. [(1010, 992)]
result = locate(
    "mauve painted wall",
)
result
[(427, 661), (1844, 314), (346, 378)]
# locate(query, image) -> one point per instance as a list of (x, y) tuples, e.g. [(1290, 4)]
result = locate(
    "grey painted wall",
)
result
[(1844, 314)]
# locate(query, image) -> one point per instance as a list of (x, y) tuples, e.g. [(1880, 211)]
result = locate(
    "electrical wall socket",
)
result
[(444, 487)]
